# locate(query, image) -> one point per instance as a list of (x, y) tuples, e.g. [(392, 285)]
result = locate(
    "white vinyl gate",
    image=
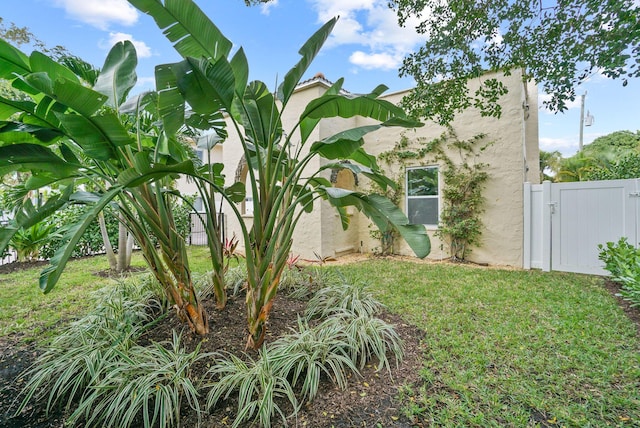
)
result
[(565, 222)]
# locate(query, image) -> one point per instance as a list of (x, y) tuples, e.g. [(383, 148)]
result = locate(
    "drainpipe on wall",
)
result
[(525, 115)]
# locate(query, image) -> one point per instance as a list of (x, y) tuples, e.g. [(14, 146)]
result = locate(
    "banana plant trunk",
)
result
[(259, 303), (180, 292), (168, 257), (262, 287)]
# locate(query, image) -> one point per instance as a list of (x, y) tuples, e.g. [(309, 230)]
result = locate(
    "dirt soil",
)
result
[(368, 401)]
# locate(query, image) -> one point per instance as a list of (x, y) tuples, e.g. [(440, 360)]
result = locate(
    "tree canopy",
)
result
[(609, 157), (615, 144), (559, 44)]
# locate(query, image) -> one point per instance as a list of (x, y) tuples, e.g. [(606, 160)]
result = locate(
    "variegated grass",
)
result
[(349, 295), (308, 353), (259, 384), (144, 384), (368, 337)]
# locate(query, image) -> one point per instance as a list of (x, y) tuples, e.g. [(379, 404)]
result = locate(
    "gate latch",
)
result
[(634, 194)]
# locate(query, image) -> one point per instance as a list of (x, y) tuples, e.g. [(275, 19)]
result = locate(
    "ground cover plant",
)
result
[(500, 348), (119, 365), (622, 260)]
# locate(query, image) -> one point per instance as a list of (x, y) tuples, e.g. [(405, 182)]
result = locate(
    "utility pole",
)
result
[(581, 120)]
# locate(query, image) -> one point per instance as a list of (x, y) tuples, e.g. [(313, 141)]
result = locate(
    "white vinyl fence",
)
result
[(565, 222)]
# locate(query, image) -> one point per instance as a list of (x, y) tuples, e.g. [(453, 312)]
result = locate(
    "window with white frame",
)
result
[(423, 202)]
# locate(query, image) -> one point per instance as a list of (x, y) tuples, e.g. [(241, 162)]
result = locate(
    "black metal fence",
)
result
[(197, 228)]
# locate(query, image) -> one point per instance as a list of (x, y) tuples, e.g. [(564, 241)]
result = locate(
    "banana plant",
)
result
[(280, 178), (69, 134)]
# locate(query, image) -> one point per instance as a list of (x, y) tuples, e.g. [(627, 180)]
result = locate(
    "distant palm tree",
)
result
[(549, 164), (578, 167)]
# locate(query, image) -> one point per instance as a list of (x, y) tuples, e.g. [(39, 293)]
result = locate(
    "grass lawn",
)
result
[(503, 348), (25, 310), (507, 347)]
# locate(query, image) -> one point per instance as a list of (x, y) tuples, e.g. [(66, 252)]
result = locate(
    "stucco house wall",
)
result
[(513, 159)]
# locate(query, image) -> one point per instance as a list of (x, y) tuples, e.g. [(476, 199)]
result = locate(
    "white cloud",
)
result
[(542, 97), (100, 13), (145, 84), (142, 49), (382, 61), (566, 146), (265, 8), (371, 25)]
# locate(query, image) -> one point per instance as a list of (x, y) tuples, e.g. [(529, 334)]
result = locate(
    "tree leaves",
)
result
[(559, 47)]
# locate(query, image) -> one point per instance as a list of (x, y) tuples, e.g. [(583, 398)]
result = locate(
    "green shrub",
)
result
[(623, 261), (28, 243), (91, 241)]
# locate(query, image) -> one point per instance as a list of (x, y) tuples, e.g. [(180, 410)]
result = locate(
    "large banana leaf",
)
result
[(308, 51), (9, 107), (307, 124), (384, 214), (187, 27), (171, 105), (208, 87), (99, 136), (118, 74), (40, 63), (84, 100), (240, 67), (342, 144), (17, 132), (337, 105), (380, 179), (143, 172), (260, 117), (50, 275), (12, 62), (34, 156)]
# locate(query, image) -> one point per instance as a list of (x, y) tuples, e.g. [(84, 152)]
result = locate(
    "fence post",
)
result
[(546, 226), (526, 254)]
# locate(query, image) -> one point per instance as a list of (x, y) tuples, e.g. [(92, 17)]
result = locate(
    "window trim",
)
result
[(437, 197)]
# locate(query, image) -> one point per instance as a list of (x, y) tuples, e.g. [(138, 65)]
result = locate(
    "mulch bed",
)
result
[(368, 401)]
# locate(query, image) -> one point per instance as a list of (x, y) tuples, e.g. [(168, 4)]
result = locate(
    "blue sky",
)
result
[(366, 48)]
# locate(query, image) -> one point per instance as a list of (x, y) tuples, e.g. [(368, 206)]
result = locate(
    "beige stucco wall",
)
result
[(512, 159), (514, 136)]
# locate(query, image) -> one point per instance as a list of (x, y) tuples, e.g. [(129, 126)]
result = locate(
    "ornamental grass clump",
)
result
[(310, 352), (97, 366), (145, 384), (369, 337), (345, 294), (259, 384), (90, 347)]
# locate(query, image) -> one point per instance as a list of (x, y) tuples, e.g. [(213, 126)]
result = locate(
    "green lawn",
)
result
[(508, 347), (504, 347)]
